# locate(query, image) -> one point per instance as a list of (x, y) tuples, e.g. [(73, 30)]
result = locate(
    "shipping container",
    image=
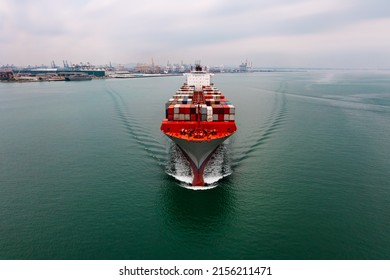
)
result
[(176, 108), (232, 109), (209, 110)]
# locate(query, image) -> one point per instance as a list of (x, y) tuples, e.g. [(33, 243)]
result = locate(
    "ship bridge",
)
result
[(198, 78)]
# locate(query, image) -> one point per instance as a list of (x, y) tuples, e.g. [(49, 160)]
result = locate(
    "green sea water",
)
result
[(85, 172)]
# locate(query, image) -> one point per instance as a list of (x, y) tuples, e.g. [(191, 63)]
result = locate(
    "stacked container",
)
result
[(217, 108), (209, 113)]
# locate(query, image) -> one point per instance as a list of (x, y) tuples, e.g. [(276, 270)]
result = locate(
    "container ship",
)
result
[(198, 118)]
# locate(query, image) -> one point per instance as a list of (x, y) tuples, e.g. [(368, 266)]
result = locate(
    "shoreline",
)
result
[(135, 76)]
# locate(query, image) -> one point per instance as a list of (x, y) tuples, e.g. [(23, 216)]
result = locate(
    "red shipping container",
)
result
[(218, 109), (221, 117), (186, 110), (170, 109)]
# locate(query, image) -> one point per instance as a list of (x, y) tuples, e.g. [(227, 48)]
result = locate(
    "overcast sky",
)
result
[(270, 33)]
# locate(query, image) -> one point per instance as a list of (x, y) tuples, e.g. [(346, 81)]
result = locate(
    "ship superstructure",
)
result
[(198, 119)]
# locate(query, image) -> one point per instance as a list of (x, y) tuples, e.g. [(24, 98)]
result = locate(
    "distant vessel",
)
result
[(121, 75), (54, 78), (78, 77), (25, 78), (198, 119)]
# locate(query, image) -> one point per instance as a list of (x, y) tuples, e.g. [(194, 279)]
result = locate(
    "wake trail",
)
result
[(266, 130), (135, 130)]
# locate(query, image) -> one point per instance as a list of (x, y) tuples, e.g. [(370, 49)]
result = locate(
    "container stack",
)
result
[(182, 112), (209, 113), (216, 108), (179, 99), (223, 112)]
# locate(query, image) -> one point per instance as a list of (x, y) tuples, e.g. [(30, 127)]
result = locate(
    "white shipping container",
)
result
[(176, 109), (215, 117), (181, 117), (232, 117), (226, 117), (232, 109), (209, 118), (187, 117), (209, 111), (176, 117)]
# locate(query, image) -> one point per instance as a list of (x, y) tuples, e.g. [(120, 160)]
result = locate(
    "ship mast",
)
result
[(198, 98)]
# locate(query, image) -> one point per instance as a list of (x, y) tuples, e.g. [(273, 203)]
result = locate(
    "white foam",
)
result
[(181, 178), (209, 180), (198, 188)]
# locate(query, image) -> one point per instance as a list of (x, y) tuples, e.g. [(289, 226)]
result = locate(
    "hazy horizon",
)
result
[(284, 33)]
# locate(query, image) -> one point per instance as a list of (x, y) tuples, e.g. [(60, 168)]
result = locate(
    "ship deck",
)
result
[(198, 98)]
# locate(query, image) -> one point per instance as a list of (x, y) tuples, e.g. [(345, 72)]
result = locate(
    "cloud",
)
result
[(99, 31), (362, 40)]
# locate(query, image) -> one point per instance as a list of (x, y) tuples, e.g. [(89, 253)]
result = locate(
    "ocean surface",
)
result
[(85, 172)]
